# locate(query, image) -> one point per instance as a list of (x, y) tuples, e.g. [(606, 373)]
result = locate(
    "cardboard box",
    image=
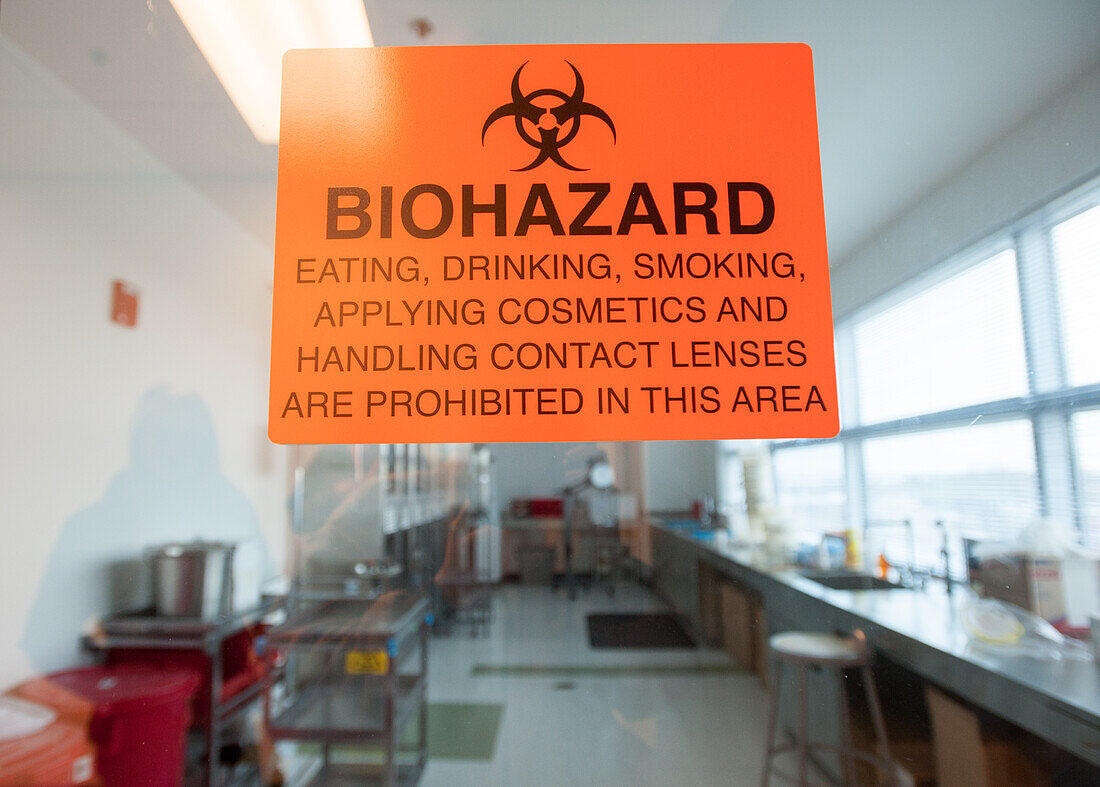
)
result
[(1032, 582)]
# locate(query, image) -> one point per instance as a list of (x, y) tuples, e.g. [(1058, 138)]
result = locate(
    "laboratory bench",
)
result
[(920, 630)]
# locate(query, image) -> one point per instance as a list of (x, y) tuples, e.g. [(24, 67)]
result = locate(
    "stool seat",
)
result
[(811, 651), (824, 649)]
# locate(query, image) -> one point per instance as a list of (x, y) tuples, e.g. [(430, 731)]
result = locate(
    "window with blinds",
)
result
[(1076, 247), (956, 343), (810, 488), (979, 480), (922, 353)]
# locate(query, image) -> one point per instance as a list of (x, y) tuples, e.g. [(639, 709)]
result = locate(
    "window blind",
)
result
[(957, 343), (810, 488), (1086, 433), (1076, 248), (980, 480)]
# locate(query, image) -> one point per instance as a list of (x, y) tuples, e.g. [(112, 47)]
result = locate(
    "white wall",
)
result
[(544, 469), (538, 469), (678, 472), (1049, 153), (115, 438)]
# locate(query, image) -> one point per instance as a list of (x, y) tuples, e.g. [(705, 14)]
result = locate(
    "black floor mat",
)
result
[(637, 631)]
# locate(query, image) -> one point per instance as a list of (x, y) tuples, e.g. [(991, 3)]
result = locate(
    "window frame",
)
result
[(1050, 402)]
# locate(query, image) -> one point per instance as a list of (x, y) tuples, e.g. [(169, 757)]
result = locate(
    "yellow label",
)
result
[(366, 662)]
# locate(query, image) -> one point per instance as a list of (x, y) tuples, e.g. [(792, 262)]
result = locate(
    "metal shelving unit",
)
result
[(346, 684), (143, 630)]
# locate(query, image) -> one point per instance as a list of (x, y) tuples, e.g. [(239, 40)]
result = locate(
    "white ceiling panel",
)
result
[(907, 92)]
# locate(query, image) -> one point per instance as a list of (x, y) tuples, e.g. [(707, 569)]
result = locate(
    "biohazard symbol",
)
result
[(553, 114)]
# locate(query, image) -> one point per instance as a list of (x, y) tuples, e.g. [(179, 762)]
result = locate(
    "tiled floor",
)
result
[(607, 728)]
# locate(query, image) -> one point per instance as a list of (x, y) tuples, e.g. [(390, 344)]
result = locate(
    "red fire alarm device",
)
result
[(124, 303)]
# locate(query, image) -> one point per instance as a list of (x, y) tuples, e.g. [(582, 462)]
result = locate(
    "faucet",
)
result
[(909, 573), (945, 554)]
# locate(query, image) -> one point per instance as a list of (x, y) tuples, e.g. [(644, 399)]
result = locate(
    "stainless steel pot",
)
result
[(193, 580)]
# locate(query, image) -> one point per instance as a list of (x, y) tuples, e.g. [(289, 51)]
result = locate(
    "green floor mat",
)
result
[(462, 730), (602, 671), (456, 731)]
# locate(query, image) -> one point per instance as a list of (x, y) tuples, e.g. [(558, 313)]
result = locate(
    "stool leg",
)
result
[(773, 716), (876, 713), (803, 724), (847, 766)]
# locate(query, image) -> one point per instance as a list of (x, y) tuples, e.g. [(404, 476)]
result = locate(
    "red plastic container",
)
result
[(140, 720), (546, 506), (240, 667)]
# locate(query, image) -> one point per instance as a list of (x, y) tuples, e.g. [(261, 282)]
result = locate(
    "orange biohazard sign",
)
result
[(550, 243)]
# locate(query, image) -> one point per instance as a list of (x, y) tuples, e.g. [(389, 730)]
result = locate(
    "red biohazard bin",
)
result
[(240, 667), (139, 720)]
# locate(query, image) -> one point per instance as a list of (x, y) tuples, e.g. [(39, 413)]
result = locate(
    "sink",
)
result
[(849, 580)]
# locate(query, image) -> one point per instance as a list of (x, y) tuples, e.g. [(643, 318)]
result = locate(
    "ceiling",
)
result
[(907, 92)]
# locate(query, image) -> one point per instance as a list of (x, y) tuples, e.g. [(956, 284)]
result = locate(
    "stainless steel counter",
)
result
[(922, 630)]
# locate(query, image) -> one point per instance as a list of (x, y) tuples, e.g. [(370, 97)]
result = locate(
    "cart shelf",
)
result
[(341, 712), (357, 775)]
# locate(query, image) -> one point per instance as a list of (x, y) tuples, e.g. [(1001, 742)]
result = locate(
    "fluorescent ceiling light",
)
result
[(244, 41)]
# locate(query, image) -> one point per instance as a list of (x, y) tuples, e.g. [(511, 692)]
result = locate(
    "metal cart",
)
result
[(144, 631), (346, 684), (609, 553)]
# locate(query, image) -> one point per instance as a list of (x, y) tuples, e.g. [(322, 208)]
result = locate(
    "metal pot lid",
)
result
[(197, 546)]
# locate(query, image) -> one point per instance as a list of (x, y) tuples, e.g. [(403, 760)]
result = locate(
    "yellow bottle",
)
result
[(853, 550)]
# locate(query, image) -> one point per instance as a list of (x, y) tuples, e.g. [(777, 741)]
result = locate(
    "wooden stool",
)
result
[(803, 651)]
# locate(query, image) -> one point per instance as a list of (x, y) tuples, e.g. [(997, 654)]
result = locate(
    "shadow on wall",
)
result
[(171, 490)]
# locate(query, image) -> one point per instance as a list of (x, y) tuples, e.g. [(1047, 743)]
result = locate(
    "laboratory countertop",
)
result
[(1058, 699)]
